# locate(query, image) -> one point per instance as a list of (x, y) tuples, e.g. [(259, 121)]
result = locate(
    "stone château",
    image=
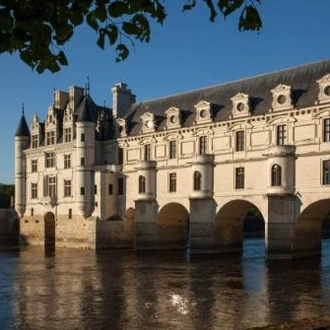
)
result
[(181, 170)]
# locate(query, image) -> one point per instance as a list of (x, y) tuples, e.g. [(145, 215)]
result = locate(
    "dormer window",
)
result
[(324, 89), (241, 105), (203, 112), (282, 98), (148, 122), (122, 127), (173, 119)]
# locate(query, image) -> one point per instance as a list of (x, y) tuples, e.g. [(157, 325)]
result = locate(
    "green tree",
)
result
[(6, 194), (38, 29)]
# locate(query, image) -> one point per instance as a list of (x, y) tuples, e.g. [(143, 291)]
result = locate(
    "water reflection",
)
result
[(76, 289)]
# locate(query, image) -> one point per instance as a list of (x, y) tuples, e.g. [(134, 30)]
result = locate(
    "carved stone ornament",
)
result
[(324, 89), (282, 97), (173, 119), (241, 105), (148, 122), (203, 112)]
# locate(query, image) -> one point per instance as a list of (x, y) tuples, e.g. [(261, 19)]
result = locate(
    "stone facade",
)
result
[(182, 170)]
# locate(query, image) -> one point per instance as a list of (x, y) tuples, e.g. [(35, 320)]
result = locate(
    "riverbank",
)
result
[(314, 323)]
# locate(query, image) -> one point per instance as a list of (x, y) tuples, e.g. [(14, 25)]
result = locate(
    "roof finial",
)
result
[(104, 104), (87, 89), (23, 109)]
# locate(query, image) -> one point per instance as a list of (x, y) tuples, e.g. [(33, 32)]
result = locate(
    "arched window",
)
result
[(142, 184), (197, 180), (276, 175)]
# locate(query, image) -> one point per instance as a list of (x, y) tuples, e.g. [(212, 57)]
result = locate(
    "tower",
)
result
[(85, 155), (22, 140)]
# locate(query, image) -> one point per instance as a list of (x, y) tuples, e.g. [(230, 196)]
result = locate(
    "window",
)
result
[(110, 189), (326, 172), (240, 143), (51, 186), (82, 161), (280, 135), (95, 189), (32, 211), (172, 182), (34, 165), (172, 153), (276, 175), (239, 177), (67, 161), (120, 186), (34, 141), (82, 190), (142, 184), (326, 130), (50, 159), (82, 137), (120, 156), (202, 145), (147, 152), (67, 188), (67, 134), (70, 213), (34, 190), (197, 180), (50, 137)]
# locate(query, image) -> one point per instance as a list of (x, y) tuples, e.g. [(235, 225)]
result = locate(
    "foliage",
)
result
[(38, 29), (6, 194)]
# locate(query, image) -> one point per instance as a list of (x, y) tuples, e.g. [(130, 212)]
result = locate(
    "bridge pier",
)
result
[(280, 227), (146, 232), (201, 226)]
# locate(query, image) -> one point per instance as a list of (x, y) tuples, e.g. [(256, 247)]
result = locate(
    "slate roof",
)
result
[(22, 128), (87, 110), (302, 79)]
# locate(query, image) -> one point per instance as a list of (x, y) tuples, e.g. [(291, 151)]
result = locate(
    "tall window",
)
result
[(34, 141), (110, 189), (326, 130), (120, 186), (34, 190), (51, 186), (50, 159), (202, 145), (82, 137), (197, 180), (172, 153), (276, 175), (142, 184), (34, 165), (239, 177), (326, 172), (70, 213), (82, 191), (281, 135), (50, 137), (147, 152), (172, 182), (67, 188), (240, 143), (82, 161), (67, 134), (67, 161)]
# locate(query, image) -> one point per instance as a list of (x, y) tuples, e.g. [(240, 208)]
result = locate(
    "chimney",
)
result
[(122, 100)]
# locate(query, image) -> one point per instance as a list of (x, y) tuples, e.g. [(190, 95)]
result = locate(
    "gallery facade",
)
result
[(180, 171)]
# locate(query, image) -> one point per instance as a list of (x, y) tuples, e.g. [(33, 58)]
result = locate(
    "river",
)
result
[(77, 289)]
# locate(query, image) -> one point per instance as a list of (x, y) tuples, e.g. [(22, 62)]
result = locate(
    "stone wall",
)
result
[(9, 228)]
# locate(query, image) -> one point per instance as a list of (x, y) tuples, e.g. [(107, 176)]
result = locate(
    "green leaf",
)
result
[(112, 32), (118, 8), (229, 6), (250, 20), (122, 52), (100, 40), (190, 4), (213, 13)]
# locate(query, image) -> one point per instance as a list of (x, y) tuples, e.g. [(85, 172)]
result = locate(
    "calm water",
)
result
[(124, 290)]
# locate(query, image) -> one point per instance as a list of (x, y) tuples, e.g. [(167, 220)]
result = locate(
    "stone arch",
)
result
[(229, 223), (49, 232), (308, 229), (172, 226)]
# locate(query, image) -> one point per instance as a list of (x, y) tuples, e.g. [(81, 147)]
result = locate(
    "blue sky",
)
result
[(187, 52)]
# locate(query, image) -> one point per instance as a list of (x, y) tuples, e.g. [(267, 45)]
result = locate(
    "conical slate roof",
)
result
[(22, 128), (87, 110)]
